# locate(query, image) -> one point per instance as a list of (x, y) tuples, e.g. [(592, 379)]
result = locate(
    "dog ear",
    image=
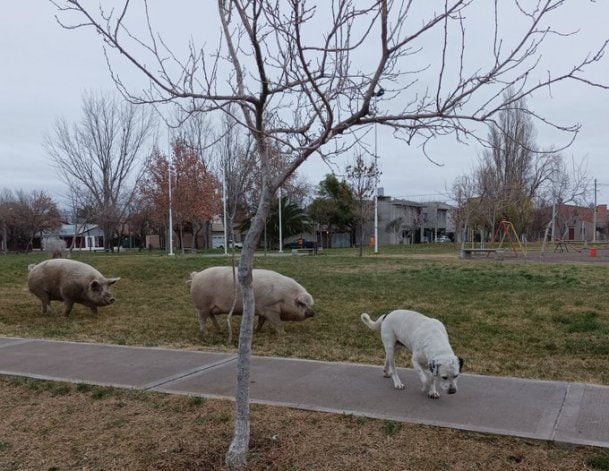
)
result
[(460, 364), (433, 366)]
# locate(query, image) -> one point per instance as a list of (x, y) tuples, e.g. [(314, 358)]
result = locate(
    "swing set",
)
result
[(505, 230)]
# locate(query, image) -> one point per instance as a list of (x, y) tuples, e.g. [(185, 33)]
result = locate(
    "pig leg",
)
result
[(215, 322), (274, 318), (67, 307), (203, 315), (261, 321), (46, 303)]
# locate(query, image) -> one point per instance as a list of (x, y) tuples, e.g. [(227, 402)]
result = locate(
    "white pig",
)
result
[(71, 282), (278, 297)]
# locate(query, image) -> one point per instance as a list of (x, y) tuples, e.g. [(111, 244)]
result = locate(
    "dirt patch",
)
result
[(55, 426)]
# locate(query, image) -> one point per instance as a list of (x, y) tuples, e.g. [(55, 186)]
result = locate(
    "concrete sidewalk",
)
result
[(560, 412)]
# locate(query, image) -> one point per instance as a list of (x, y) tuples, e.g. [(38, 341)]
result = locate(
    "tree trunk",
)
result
[(236, 457), (361, 238), (107, 236)]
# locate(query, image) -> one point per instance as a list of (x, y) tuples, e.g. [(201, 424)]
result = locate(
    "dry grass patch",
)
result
[(46, 425)]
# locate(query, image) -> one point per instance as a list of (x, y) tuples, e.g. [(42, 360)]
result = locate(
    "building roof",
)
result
[(67, 230)]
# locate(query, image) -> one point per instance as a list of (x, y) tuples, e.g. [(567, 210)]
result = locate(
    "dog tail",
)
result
[(372, 325)]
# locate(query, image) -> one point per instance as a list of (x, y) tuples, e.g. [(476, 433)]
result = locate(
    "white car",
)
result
[(442, 239), (238, 245)]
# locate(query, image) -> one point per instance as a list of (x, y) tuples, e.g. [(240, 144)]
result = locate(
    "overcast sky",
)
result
[(45, 69)]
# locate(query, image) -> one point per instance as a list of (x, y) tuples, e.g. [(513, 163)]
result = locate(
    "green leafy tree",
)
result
[(333, 207)]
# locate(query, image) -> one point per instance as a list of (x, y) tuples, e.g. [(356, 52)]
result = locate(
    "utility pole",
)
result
[(594, 215), (378, 94), (170, 210), (376, 195), (280, 231), (224, 210)]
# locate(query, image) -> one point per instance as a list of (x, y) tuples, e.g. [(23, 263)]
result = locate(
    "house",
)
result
[(409, 222), (85, 236), (576, 223)]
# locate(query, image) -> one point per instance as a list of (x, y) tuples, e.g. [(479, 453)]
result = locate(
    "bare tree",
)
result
[(513, 168), (468, 199), (362, 177), (305, 75), (7, 203), (102, 155), (569, 183), (34, 213)]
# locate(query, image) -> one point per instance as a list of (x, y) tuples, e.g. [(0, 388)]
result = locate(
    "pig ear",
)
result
[(95, 285), (111, 281), (304, 300)]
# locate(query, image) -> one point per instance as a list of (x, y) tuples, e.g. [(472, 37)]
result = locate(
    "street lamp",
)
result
[(377, 94), (170, 211), (224, 210), (280, 231)]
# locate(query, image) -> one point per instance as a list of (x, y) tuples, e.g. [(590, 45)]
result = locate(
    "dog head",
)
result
[(446, 369)]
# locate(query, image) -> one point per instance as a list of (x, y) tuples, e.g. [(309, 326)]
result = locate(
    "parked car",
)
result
[(238, 245), (301, 244), (442, 239)]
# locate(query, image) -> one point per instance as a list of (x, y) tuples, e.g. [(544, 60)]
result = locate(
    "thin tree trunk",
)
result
[(236, 457), (361, 238)]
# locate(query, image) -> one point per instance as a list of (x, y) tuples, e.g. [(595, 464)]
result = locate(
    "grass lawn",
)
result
[(516, 319), (56, 426), (519, 319)]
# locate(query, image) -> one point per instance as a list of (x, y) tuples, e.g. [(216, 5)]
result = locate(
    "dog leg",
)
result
[(386, 372), (433, 392), (423, 375), (390, 363)]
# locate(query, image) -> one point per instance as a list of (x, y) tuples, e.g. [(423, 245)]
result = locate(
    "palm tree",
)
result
[(293, 221)]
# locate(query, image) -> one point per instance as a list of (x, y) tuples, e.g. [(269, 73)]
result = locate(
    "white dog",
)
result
[(432, 356)]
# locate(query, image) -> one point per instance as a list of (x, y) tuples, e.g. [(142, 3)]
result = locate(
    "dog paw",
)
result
[(433, 395), (386, 375), (399, 386)]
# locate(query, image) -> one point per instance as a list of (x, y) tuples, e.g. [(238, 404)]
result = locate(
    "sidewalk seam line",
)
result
[(558, 416), (172, 379)]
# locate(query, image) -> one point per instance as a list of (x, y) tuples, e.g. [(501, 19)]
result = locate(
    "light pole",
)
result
[(378, 94), (170, 211), (594, 215), (224, 210), (376, 195), (280, 230)]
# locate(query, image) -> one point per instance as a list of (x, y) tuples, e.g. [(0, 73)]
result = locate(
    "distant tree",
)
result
[(394, 226), (468, 200), (32, 214), (143, 219), (7, 216), (362, 177), (294, 221), (102, 155), (80, 211), (195, 192), (513, 168), (333, 207)]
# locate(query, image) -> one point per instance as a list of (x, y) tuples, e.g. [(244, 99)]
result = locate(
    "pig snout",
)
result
[(309, 313)]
